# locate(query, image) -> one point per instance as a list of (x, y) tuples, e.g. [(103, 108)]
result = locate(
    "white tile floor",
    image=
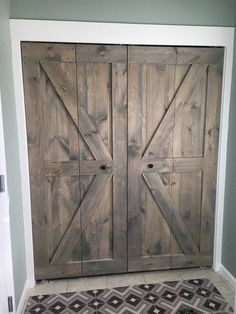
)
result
[(70, 285)]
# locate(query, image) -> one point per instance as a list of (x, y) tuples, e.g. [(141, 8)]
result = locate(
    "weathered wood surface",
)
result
[(75, 228), (148, 231), (77, 167), (190, 55), (135, 231), (48, 52), (62, 77), (116, 127), (101, 54), (173, 162), (35, 136), (189, 190), (112, 243), (211, 157), (181, 98), (149, 55), (160, 193), (188, 164), (165, 165), (103, 71), (91, 136), (96, 238)]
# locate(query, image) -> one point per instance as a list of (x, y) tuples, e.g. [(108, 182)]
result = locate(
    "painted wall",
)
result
[(12, 156), (183, 12), (229, 232), (186, 12)]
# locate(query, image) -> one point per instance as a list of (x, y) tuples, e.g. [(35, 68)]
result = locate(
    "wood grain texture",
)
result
[(210, 154), (48, 52), (86, 209), (188, 164), (97, 237), (75, 168), (35, 137), (155, 55), (123, 145), (102, 94), (65, 198), (181, 98), (45, 271), (116, 237), (159, 191), (63, 80), (190, 120), (101, 53), (91, 136), (163, 165), (189, 191), (134, 160), (147, 106), (194, 55)]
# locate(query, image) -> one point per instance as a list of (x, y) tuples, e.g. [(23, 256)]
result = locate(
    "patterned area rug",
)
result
[(183, 297)]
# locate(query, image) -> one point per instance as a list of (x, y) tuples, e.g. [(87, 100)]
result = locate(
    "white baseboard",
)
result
[(227, 276), (28, 284)]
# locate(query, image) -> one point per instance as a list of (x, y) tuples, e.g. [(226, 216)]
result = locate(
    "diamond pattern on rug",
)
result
[(195, 296)]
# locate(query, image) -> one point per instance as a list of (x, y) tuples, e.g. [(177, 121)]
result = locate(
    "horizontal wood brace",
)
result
[(101, 53), (33, 51), (194, 55), (175, 55), (158, 55), (174, 165), (78, 167)]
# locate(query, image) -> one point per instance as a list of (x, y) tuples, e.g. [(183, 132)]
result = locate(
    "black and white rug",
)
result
[(194, 296)]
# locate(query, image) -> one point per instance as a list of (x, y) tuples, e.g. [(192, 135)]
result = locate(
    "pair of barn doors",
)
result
[(122, 147)]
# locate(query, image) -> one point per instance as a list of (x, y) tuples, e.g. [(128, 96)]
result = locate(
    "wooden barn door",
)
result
[(173, 125), (76, 103), (85, 138)]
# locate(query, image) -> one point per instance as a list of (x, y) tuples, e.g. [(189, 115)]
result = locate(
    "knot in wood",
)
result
[(102, 50), (63, 88), (134, 147)]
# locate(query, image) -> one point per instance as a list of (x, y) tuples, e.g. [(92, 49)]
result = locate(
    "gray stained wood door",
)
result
[(76, 104), (173, 125), (122, 148)]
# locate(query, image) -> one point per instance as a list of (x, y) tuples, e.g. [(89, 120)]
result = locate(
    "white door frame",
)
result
[(116, 33), (6, 270)]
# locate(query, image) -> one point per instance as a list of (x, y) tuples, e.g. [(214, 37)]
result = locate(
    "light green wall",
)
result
[(192, 12), (12, 153), (185, 12), (229, 231)]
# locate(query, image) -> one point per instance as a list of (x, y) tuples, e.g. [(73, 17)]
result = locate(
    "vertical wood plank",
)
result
[(210, 154), (180, 73), (96, 238), (188, 142), (102, 91), (155, 103), (35, 135), (134, 160), (85, 153), (119, 201)]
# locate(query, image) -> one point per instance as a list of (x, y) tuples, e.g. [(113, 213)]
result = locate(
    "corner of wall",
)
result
[(227, 276)]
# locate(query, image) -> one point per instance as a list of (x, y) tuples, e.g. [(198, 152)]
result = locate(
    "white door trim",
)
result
[(5, 235), (116, 33)]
